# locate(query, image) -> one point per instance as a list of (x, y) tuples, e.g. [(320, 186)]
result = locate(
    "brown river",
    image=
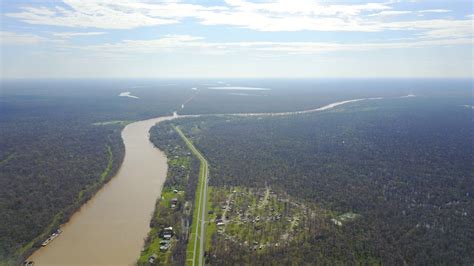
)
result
[(111, 227)]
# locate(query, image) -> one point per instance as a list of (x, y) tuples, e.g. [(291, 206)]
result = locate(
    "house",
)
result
[(219, 222), (336, 222), (165, 247), (152, 258), (168, 233), (173, 203)]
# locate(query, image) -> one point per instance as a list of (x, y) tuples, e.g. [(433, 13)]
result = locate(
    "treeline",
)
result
[(54, 151), (49, 168), (404, 165)]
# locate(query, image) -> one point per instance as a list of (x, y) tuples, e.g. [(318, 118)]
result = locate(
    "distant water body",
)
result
[(239, 88), (127, 94), (244, 94)]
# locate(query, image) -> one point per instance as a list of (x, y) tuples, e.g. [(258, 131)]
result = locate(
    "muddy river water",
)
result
[(111, 227)]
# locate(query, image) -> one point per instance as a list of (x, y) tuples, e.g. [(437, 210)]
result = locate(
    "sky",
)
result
[(236, 38)]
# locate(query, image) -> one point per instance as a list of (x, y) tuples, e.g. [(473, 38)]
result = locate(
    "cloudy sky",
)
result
[(236, 38)]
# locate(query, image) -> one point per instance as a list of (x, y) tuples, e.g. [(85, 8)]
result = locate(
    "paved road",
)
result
[(201, 218)]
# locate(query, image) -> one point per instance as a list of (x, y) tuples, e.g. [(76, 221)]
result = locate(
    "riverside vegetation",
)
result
[(60, 141)]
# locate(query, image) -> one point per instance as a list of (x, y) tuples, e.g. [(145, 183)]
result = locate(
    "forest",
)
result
[(404, 165), (60, 142)]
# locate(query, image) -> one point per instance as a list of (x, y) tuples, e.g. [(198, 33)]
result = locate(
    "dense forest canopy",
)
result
[(404, 164), (58, 137), (56, 141)]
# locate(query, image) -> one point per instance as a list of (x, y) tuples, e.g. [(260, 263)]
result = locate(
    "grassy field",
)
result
[(211, 227), (115, 122), (154, 246), (110, 158), (192, 251), (259, 219)]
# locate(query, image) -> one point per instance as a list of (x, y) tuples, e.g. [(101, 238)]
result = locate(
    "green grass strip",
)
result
[(194, 251)]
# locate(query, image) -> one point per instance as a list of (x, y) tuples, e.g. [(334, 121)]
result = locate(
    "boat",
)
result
[(51, 237)]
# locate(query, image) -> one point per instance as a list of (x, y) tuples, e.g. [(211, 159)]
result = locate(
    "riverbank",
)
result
[(83, 197), (109, 229), (175, 207), (142, 189)]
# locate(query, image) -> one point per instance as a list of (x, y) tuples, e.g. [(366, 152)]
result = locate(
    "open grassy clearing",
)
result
[(192, 251), (158, 246), (115, 122), (260, 219), (257, 218)]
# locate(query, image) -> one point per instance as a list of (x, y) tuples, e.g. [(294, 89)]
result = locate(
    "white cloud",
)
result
[(311, 48), (13, 38), (435, 11), (90, 14), (67, 35), (164, 44), (390, 13), (406, 12), (281, 15), (270, 16), (437, 28), (305, 7), (193, 44)]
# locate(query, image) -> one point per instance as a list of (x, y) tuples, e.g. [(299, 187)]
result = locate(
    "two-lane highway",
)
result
[(200, 230)]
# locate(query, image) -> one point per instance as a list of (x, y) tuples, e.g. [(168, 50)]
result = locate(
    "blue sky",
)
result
[(236, 38)]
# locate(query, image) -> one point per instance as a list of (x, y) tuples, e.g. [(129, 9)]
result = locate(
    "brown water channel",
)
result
[(110, 228)]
